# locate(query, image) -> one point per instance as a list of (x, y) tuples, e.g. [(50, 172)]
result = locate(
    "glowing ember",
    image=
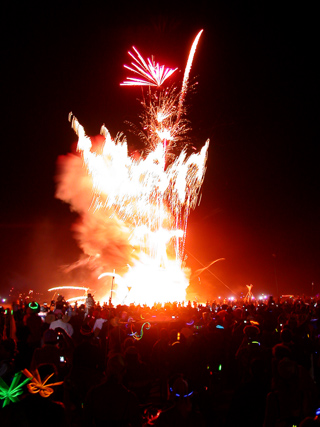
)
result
[(134, 212)]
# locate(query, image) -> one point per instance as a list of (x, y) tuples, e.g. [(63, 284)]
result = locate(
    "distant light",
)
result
[(4, 299)]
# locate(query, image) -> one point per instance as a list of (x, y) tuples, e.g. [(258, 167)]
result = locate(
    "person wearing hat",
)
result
[(86, 354), (48, 353), (111, 403), (86, 371), (34, 324), (50, 317), (250, 349), (181, 412), (62, 322), (289, 402)]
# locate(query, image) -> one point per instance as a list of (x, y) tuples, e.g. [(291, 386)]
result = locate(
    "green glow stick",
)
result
[(11, 393)]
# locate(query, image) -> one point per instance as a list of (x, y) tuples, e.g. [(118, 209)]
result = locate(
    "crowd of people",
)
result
[(251, 364)]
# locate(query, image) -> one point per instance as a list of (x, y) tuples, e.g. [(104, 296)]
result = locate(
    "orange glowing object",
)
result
[(38, 386)]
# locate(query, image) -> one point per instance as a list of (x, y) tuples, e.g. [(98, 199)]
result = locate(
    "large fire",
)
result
[(134, 211)]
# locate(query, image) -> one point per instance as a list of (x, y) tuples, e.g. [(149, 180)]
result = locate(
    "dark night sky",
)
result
[(256, 71)]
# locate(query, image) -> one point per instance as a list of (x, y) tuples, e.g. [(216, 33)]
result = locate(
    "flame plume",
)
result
[(139, 208)]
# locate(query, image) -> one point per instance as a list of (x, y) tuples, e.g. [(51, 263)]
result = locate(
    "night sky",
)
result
[(255, 100)]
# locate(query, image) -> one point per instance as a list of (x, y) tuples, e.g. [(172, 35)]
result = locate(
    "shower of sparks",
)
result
[(148, 200), (151, 73), (161, 124)]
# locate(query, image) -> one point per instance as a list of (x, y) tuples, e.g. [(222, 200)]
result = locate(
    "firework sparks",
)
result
[(143, 204), (79, 299), (151, 73), (153, 200), (58, 288), (187, 72)]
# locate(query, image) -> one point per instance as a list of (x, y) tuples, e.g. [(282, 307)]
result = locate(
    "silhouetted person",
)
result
[(110, 403)]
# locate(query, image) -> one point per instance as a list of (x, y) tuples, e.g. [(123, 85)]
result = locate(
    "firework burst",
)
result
[(151, 73)]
